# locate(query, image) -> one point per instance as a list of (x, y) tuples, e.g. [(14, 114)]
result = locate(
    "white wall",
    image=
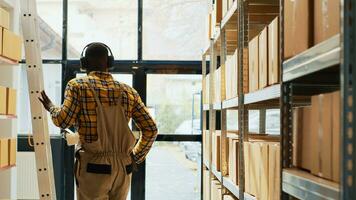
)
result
[(8, 128)]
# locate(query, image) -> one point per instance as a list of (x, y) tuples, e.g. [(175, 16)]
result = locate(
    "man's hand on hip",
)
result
[(47, 103)]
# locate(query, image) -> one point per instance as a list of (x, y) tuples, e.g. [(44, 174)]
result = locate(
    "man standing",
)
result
[(100, 109)]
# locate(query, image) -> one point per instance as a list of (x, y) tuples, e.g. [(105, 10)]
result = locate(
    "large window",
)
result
[(174, 101), (52, 85), (174, 29), (110, 21), (50, 27)]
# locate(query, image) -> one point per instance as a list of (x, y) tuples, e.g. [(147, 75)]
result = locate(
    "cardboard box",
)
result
[(218, 11), (218, 98), (247, 167), (263, 58), (253, 65), (297, 32), (255, 163), (12, 45), (206, 184), (4, 154), (264, 172), (233, 160), (274, 167), (326, 19), (301, 137), (4, 18), (273, 52), (326, 137), (216, 150), (231, 76), (1, 39), (321, 149), (216, 190), (229, 197), (12, 151), (3, 98), (336, 135), (11, 101)]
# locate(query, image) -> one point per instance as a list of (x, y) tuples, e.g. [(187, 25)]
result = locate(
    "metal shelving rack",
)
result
[(333, 60), (238, 21), (325, 67)]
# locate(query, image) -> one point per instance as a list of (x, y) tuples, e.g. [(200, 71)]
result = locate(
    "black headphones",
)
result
[(84, 59)]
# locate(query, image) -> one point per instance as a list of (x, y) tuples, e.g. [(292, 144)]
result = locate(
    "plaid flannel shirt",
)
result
[(79, 109)]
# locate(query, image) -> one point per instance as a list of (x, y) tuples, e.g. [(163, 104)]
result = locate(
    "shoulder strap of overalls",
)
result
[(96, 97)]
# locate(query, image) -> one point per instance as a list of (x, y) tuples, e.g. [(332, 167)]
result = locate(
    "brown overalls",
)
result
[(103, 168)]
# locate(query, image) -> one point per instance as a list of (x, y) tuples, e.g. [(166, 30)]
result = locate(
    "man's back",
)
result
[(79, 107)]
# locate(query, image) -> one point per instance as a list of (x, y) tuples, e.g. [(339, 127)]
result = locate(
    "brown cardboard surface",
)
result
[(314, 135), (263, 58), (12, 45), (255, 164), (213, 149), (247, 168), (297, 136), (307, 143), (326, 137), (12, 151), (253, 65), (3, 97), (218, 10), (326, 19), (4, 18), (228, 197), (1, 39), (217, 150), (206, 183), (273, 52), (11, 101), (297, 19), (274, 172), (336, 136), (264, 171), (215, 190), (235, 162), (4, 154)]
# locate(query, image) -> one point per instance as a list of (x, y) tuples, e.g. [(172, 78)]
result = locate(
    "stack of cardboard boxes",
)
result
[(264, 58), (231, 76), (307, 23), (10, 43), (316, 136), (8, 151), (7, 101), (262, 168)]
